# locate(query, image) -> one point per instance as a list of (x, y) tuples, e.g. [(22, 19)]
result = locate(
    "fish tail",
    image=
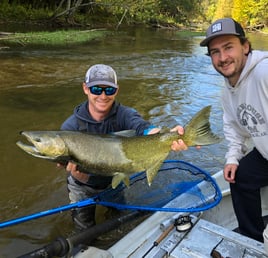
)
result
[(198, 131)]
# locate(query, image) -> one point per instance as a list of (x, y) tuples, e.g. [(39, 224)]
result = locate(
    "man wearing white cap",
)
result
[(102, 114), (245, 116)]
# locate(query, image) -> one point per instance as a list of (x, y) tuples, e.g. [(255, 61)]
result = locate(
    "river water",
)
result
[(165, 76)]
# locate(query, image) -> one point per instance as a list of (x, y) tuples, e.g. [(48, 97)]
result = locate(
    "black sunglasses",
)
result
[(97, 90)]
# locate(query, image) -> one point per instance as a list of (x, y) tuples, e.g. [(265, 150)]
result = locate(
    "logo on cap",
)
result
[(216, 27)]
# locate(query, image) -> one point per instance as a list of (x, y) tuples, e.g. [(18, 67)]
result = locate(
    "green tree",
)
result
[(248, 12)]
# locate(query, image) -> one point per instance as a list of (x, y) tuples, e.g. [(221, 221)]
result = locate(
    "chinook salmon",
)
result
[(116, 155)]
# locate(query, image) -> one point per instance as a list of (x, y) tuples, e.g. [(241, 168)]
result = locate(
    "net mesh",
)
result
[(178, 187)]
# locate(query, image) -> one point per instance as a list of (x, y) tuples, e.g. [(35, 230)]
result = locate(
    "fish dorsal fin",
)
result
[(125, 133), (165, 129), (118, 178)]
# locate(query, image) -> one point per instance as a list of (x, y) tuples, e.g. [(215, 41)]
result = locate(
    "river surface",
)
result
[(165, 76)]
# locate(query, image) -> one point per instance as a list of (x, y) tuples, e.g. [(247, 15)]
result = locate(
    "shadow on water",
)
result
[(166, 77)]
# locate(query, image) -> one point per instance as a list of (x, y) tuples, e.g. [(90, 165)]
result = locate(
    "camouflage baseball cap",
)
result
[(101, 74), (226, 26)]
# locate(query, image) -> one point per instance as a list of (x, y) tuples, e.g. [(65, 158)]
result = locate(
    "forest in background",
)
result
[(195, 14)]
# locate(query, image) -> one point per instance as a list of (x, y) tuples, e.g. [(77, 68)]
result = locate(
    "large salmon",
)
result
[(116, 155)]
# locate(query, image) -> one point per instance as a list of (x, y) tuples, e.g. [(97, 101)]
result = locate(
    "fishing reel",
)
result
[(183, 223)]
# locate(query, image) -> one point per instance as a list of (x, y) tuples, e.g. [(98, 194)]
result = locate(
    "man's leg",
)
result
[(252, 174), (83, 217)]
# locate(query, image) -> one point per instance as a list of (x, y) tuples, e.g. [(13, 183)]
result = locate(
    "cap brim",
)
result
[(90, 84), (205, 42)]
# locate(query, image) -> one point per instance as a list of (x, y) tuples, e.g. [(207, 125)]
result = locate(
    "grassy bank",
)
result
[(55, 38)]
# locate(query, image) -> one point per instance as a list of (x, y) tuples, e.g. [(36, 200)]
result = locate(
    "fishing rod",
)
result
[(159, 239), (63, 246), (182, 224)]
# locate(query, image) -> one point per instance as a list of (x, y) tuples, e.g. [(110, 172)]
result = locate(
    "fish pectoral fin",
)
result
[(126, 181), (152, 171), (118, 178)]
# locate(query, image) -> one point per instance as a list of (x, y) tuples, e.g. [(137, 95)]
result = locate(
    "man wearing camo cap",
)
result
[(100, 113)]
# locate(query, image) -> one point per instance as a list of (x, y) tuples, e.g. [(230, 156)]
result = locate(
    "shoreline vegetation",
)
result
[(65, 37), (52, 38), (59, 23), (62, 37)]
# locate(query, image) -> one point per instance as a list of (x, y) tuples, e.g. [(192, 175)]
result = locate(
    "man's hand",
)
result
[(72, 168), (178, 145), (229, 172)]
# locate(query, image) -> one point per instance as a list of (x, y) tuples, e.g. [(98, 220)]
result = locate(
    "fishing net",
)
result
[(178, 187)]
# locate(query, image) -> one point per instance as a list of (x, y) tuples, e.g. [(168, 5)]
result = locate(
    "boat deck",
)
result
[(211, 235), (209, 240), (203, 240)]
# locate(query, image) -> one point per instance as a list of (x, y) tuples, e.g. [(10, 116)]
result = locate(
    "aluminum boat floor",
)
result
[(204, 240)]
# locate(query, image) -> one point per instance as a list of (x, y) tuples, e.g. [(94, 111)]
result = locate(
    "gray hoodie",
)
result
[(245, 109)]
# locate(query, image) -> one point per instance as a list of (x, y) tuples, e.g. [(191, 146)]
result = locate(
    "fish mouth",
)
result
[(32, 150), (43, 144)]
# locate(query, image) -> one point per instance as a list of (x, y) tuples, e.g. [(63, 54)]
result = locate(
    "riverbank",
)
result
[(54, 38), (63, 37)]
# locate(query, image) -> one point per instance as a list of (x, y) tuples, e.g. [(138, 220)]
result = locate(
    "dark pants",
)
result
[(85, 217), (252, 174)]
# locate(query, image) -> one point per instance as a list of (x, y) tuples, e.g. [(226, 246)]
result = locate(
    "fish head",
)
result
[(44, 144)]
